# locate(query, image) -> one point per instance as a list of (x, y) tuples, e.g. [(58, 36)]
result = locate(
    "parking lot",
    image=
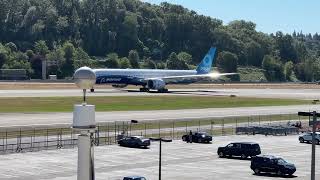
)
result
[(180, 160)]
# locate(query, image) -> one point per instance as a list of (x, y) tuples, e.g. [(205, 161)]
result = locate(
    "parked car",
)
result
[(307, 137), (242, 149), (199, 137), (272, 164), (134, 178), (134, 141)]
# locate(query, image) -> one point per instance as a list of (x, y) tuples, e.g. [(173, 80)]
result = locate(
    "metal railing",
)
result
[(28, 139)]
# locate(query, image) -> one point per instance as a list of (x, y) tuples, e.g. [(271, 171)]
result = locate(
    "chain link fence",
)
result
[(35, 138)]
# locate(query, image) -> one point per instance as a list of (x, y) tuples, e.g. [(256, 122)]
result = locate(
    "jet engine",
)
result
[(119, 85), (156, 84)]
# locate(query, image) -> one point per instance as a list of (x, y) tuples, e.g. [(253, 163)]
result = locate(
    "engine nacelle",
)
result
[(156, 84), (119, 85)]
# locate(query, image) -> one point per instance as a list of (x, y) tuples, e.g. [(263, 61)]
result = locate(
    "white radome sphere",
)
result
[(84, 77)]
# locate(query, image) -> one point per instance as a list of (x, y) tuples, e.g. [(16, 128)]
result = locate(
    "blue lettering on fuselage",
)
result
[(118, 80), (137, 76)]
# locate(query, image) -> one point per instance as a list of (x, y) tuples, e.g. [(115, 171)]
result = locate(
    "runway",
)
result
[(25, 119), (260, 93)]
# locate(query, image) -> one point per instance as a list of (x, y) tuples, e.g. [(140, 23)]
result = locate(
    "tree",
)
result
[(57, 59), (3, 55), (173, 62), (273, 68), (41, 48), (149, 64), (186, 57), (227, 61), (11, 46), (19, 60), (134, 59), (81, 59), (112, 61), (124, 63), (69, 54), (288, 69), (254, 54), (161, 65)]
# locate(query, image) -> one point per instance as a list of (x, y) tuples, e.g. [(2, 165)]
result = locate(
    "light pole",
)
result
[(160, 151), (84, 121), (314, 114)]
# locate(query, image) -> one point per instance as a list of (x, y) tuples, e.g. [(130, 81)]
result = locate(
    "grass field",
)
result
[(130, 103)]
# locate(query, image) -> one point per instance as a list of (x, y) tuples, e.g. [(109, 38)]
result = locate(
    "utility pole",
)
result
[(314, 114)]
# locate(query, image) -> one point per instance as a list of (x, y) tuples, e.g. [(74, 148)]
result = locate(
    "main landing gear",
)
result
[(144, 89), (162, 90)]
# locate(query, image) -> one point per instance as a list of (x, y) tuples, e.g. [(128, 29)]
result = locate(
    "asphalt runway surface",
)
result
[(29, 119), (180, 161), (261, 93)]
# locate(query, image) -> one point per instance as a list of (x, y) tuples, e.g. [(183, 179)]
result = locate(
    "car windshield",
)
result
[(281, 161)]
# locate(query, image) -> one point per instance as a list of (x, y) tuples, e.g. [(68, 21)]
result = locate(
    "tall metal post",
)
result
[(85, 157), (160, 148), (313, 154)]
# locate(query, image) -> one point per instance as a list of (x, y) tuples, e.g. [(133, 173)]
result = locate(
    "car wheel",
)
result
[(243, 156), (301, 140), (257, 171), (199, 141), (184, 138), (317, 141), (221, 154)]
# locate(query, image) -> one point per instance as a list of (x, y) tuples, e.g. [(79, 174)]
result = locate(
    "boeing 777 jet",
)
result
[(157, 79)]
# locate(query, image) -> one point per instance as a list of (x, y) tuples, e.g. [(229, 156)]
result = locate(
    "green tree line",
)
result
[(134, 34)]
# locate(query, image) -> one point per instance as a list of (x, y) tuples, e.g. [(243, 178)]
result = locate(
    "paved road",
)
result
[(180, 161), (264, 93), (20, 119)]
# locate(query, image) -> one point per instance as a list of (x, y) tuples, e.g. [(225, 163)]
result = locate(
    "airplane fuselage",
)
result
[(137, 76)]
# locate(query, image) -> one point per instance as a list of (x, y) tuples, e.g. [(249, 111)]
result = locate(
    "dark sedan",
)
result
[(134, 141), (199, 137)]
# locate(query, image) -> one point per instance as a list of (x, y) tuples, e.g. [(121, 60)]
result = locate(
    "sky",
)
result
[(270, 16)]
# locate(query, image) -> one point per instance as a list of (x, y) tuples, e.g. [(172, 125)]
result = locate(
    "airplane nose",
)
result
[(84, 77)]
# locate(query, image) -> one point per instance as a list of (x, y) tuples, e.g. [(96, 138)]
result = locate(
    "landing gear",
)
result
[(92, 90), (144, 89), (162, 90)]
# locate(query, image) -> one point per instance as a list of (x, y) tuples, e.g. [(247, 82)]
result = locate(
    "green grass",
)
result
[(130, 103)]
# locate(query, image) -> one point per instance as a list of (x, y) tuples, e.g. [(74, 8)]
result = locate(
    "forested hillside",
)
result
[(133, 34)]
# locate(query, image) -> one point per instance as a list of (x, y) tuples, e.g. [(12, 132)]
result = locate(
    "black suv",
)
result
[(272, 164), (199, 137), (242, 149)]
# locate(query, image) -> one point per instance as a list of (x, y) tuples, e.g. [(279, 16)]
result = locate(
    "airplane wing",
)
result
[(197, 77)]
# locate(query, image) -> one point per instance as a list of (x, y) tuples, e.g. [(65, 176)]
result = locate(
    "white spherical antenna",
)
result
[(84, 78)]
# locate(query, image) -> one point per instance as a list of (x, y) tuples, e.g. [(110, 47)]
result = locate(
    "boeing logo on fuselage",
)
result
[(105, 80)]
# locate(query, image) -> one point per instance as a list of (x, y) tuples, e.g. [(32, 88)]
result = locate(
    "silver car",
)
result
[(307, 137)]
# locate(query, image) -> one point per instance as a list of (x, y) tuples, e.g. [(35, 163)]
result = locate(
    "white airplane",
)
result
[(157, 79)]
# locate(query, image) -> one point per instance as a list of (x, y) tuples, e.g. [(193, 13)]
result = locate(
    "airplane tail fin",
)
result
[(205, 66)]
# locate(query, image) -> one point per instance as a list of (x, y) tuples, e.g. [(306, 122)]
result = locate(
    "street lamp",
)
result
[(84, 121), (160, 151)]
